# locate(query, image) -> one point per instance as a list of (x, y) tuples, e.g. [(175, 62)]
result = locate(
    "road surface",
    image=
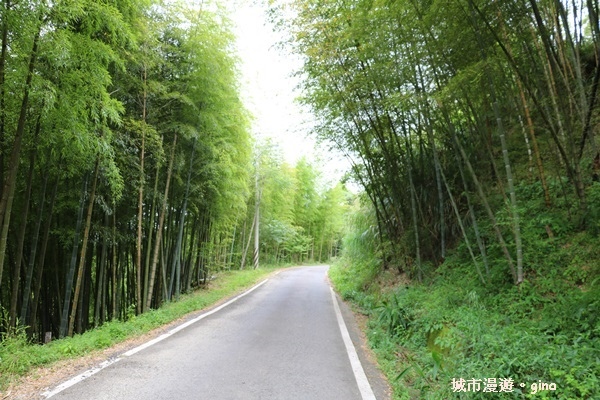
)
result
[(283, 340)]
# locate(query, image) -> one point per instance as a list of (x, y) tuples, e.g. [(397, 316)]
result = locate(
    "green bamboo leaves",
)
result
[(426, 97), (128, 117)]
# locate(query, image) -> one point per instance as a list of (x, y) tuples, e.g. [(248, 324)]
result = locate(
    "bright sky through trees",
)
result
[(268, 88), (267, 84)]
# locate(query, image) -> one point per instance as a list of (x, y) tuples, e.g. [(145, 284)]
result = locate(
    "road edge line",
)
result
[(79, 378), (192, 321), (366, 391), (86, 374)]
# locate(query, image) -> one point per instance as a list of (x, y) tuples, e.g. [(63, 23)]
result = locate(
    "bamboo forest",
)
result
[(127, 164), (466, 231)]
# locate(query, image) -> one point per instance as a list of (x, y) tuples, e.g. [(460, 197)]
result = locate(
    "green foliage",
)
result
[(301, 219), (148, 91), (592, 219), (393, 316), (354, 272), (545, 330)]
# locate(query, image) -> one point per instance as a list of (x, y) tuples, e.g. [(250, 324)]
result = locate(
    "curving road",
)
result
[(283, 340)]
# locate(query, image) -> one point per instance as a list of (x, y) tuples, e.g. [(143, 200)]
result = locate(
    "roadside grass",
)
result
[(544, 333), (424, 336), (18, 356)]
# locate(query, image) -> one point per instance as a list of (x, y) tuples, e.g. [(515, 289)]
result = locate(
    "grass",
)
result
[(18, 356), (545, 331), (426, 335)]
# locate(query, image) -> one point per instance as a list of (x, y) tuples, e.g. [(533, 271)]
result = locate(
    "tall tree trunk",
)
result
[(413, 209), (72, 265), (231, 250), (257, 224), (8, 190), (150, 235), (534, 143), (86, 235), (21, 240), (41, 262), (462, 228), (193, 256), (436, 161), (484, 200), (511, 188), (100, 278), (592, 8), (177, 255), (138, 243), (245, 253), (33, 252), (161, 221), (115, 282), (480, 244), (3, 57), (507, 165)]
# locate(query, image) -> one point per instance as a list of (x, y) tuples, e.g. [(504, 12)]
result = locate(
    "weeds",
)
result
[(393, 316), (547, 330)]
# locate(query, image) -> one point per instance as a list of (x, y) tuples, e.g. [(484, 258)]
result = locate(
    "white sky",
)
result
[(268, 90)]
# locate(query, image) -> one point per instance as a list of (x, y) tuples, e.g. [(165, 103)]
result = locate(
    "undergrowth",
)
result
[(544, 334)]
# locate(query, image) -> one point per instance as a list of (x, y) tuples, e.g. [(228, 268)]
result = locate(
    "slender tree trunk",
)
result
[(8, 191), (480, 244), (166, 293), (115, 283), (3, 57), (33, 251), (161, 221), (257, 224), (231, 250), (534, 143), (507, 165), (592, 8), (21, 239), (41, 262), (436, 161), (245, 253), (571, 164), (138, 243), (413, 208), (462, 229), (513, 196), (484, 201), (86, 235), (100, 278), (150, 234), (72, 265), (177, 255)]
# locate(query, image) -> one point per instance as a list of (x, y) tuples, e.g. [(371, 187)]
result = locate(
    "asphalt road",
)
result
[(281, 341)]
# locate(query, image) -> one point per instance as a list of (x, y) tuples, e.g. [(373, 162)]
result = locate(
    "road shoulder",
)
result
[(356, 324), (47, 377)]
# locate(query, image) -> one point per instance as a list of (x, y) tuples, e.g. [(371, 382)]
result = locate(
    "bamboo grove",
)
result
[(126, 164), (124, 160), (455, 111), (301, 219)]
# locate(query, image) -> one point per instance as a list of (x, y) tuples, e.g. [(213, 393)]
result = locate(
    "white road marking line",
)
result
[(192, 321), (86, 374), (75, 380), (366, 391)]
